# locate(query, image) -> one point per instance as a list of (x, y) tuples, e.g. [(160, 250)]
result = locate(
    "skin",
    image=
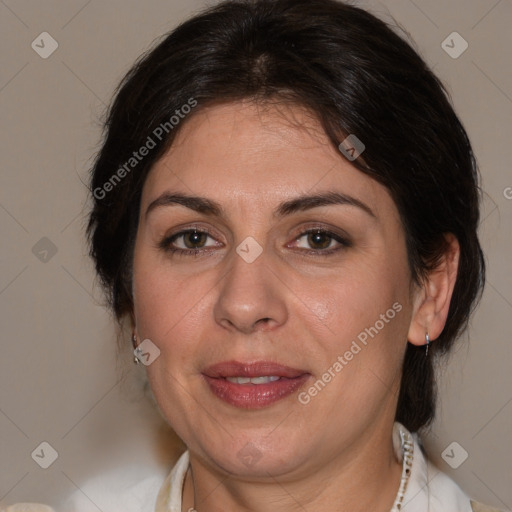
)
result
[(292, 305)]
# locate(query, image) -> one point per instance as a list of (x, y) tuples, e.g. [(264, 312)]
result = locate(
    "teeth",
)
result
[(253, 380), (239, 380)]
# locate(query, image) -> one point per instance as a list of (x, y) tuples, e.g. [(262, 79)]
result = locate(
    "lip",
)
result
[(255, 369), (253, 396)]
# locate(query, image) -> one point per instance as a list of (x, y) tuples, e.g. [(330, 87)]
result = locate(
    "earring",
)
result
[(134, 343), (428, 342)]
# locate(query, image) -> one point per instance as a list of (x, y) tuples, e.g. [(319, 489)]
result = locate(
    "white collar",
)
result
[(428, 489)]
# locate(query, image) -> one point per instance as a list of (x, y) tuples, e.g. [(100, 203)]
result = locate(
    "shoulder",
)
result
[(478, 507), (131, 489), (439, 490), (431, 489)]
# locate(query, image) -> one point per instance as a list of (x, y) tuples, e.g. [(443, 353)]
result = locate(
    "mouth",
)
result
[(253, 385)]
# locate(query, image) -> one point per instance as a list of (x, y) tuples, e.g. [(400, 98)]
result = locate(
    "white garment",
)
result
[(127, 489), (428, 490)]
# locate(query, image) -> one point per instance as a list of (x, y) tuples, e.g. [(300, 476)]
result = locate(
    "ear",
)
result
[(432, 299)]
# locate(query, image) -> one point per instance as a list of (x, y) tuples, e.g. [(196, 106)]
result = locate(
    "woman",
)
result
[(285, 210)]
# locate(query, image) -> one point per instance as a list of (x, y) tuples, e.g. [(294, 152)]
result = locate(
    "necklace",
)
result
[(407, 445)]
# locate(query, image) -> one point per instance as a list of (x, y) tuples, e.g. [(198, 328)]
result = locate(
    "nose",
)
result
[(251, 297)]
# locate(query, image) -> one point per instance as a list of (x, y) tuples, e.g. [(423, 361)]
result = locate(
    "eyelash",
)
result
[(166, 246)]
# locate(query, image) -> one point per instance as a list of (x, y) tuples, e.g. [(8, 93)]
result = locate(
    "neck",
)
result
[(365, 477)]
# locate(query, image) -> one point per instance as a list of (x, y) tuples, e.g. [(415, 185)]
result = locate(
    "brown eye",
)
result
[(194, 239), (190, 241), (319, 240)]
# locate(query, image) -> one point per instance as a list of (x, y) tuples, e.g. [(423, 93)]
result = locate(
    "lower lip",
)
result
[(254, 396)]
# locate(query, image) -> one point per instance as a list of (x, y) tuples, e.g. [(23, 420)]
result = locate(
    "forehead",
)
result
[(257, 153)]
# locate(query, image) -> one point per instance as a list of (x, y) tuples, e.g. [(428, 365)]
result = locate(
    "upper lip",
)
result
[(253, 369)]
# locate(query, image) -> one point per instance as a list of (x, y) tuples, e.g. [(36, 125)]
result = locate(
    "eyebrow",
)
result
[(297, 204)]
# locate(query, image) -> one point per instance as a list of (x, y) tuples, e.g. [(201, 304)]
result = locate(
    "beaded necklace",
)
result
[(407, 445)]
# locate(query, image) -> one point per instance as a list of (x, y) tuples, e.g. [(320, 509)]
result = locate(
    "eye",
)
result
[(316, 241), (190, 241), (321, 241)]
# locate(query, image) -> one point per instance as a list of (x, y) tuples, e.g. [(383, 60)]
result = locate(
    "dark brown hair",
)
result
[(358, 77)]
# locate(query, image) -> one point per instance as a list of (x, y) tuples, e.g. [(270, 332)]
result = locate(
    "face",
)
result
[(257, 280)]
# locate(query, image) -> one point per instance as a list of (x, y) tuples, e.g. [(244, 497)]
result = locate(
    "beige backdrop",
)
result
[(60, 380)]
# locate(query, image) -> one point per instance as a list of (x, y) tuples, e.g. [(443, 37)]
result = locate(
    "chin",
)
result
[(258, 457)]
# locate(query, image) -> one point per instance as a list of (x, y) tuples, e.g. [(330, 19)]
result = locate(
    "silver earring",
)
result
[(134, 342), (427, 339)]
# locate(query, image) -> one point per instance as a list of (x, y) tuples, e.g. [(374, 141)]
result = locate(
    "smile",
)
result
[(253, 385)]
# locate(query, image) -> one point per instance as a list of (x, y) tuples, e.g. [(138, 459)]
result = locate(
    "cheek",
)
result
[(164, 300), (364, 317), (362, 349), (353, 300)]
